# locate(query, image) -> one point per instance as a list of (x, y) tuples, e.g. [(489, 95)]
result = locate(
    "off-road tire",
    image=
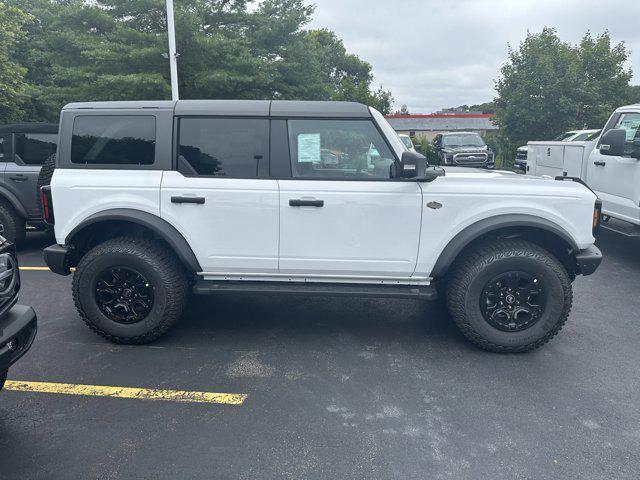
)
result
[(15, 228), (159, 265), (470, 274), (3, 378)]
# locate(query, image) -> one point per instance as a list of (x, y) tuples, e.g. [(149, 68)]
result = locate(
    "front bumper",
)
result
[(56, 256), (17, 330), (588, 260)]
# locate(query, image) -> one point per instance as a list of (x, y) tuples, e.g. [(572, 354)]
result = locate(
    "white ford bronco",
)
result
[(152, 201)]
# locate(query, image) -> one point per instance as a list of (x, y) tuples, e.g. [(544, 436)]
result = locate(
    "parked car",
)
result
[(577, 135), (571, 136), (609, 164), (246, 205), (18, 323), (23, 150), (466, 149), (406, 139)]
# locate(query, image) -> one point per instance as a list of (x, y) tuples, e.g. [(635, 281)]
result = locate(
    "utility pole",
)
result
[(173, 56)]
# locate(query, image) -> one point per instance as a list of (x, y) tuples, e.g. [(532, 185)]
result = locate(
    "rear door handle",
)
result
[(306, 203), (18, 178), (599, 163), (196, 200)]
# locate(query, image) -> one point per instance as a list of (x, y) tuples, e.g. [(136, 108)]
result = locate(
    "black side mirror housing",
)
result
[(612, 142), (413, 165)]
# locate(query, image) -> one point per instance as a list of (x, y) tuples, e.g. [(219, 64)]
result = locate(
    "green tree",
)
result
[(113, 50), (549, 86), (13, 87)]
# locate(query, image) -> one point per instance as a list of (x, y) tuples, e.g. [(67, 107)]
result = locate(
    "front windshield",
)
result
[(463, 140), (407, 142), (564, 136)]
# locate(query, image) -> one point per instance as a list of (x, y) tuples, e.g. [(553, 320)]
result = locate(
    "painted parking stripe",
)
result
[(40, 269), (127, 392)]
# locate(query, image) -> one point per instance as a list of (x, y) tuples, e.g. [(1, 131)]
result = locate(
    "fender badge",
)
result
[(434, 205)]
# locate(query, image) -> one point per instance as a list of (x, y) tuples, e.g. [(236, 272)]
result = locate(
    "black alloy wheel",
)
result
[(512, 301), (123, 294)]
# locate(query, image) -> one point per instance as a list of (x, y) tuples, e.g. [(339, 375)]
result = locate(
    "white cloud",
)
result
[(443, 53)]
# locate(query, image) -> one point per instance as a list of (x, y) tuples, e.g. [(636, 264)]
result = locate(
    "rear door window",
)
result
[(114, 140), (34, 148), (223, 147)]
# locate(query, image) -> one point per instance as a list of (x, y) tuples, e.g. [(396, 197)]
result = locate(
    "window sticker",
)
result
[(309, 148)]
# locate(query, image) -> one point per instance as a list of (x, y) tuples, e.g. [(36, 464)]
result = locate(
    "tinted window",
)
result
[(223, 147), (338, 149), (35, 148), (463, 140), (114, 140)]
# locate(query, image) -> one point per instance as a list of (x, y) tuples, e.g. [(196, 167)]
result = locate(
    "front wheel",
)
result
[(509, 296), (130, 290)]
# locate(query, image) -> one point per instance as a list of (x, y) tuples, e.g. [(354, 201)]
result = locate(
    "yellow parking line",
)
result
[(40, 269), (126, 392)]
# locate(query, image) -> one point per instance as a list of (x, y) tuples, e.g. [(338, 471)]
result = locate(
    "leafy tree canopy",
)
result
[(76, 50), (549, 86)]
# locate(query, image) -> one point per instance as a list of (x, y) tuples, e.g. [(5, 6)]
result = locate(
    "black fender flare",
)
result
[(487, 225), (159, 226), (14, 201)]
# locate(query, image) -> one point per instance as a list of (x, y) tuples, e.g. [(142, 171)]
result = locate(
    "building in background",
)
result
[(428, 126)]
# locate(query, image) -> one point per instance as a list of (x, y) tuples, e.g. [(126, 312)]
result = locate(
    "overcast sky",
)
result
[(443, 53)]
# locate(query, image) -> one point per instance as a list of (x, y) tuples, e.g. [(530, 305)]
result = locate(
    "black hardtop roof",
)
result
[(253, 108), (29, 128)]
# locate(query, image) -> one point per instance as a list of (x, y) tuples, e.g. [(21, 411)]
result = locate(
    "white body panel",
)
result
[(235, 230), (616, 180), (468, 197), (557, 159), (364, 228), (79, 193)]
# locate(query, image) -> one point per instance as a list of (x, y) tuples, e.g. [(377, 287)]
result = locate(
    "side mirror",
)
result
[(412, 165), (612, 142)]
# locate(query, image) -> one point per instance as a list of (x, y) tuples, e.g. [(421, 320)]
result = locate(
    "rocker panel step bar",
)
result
[(424, 292)]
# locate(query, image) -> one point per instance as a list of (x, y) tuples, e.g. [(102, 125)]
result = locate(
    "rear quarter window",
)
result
[(114, 140), (34, 148)]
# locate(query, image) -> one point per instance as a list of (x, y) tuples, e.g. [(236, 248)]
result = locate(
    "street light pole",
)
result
[(173, 56)]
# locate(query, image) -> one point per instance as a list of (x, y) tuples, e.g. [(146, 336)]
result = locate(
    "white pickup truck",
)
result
[(609, 165), (153, 200)]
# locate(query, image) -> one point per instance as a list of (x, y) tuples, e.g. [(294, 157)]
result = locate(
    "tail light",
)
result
[(47, 205), (597, 217)]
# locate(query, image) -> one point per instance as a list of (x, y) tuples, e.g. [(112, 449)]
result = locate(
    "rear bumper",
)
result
[(588, 260), (56, 257), (18, 328)]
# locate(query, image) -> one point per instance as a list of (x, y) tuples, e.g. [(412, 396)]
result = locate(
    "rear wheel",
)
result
[(130, 290), (509, 296), (15, 228)]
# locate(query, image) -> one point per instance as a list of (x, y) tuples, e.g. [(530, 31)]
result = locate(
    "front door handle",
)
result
[(18, 178), (196, 200), (599, 163), (306, 203)]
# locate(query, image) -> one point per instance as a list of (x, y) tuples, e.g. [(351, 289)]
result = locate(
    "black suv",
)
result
[(464, 149), (23, 150), (18, 323)]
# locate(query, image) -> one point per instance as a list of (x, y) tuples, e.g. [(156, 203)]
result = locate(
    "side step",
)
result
[(424, 292), (622, 228)]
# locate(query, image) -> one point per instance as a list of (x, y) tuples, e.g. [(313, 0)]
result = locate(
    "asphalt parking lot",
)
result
[(335, 388)]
